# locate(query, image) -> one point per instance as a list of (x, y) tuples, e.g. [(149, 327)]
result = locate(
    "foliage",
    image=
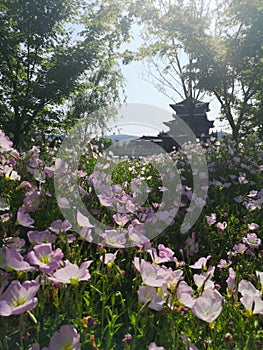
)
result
[(217, 49), (107, 306), (58, 64)]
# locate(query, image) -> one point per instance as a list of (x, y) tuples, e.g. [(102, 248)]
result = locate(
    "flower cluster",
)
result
[(59, 290)]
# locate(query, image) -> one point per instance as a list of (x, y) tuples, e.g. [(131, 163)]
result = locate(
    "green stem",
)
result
[(173, 330), (142, 309), (3, 334), (22, 330), (102, 308)]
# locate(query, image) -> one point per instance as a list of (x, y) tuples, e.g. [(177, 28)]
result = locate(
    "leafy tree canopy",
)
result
[(58, 63), (211, 47)]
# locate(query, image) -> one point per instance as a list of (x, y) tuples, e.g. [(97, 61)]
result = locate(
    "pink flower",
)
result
[(66, 338), (201, 263), (246, 288), (63, 202), (109, 258), (127, 340), (253, 226), (114, 239), (252, 194), (252, 240), (83, 221), (85, 233), (224, 264), (24, 219), (117, 189), (72, 274), (136, 263), (24, 184), (49, 171), (137, 238), (106, 199), (253, 205), (39, 237), (242, 179), (151, 274), (231, 282), (46, 259), (191, 246), (121, 219), (211, 219), (184, 294), (260, 276), (165, 253), (253, 304), (221, 226), (130, 207), (59, 168), (34, 162), (208, 306), (122, 199), (149, 294), (203, 282), (239, 248), (32, 201), (5, 217), (5, 142), (18, 298), (10, 173), (171, 277), (59, 226), (71, 238), (15, 261), (14, 242)]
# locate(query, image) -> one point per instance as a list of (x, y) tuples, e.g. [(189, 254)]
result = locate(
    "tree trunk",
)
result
[(17, 131), (235, 133)]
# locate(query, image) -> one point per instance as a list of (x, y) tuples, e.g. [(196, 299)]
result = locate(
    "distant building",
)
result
[(190, 111), (193, 113)]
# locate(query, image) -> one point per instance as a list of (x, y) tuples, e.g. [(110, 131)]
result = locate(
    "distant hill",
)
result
[(122, 138), (221, 133), (125, 138)]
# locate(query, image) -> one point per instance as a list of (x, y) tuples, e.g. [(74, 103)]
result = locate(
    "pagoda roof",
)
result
[(182, 108)]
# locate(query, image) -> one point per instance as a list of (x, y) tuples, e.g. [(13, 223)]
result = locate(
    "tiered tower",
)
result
[(193, 113)]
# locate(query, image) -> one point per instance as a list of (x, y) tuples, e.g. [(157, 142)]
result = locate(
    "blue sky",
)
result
[(139, 91), (147, 108)]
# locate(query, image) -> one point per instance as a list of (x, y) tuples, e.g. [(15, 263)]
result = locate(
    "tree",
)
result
[(45, 64), (109, 27), (223, 45)]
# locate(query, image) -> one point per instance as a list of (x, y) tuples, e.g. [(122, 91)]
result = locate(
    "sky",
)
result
[(146, 107)]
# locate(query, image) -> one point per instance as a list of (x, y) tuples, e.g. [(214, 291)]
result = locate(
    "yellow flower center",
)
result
[(9, 269), (67, 347), (249, 313), (45, 259), (212, 325), (74, 280), (18, 302)]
